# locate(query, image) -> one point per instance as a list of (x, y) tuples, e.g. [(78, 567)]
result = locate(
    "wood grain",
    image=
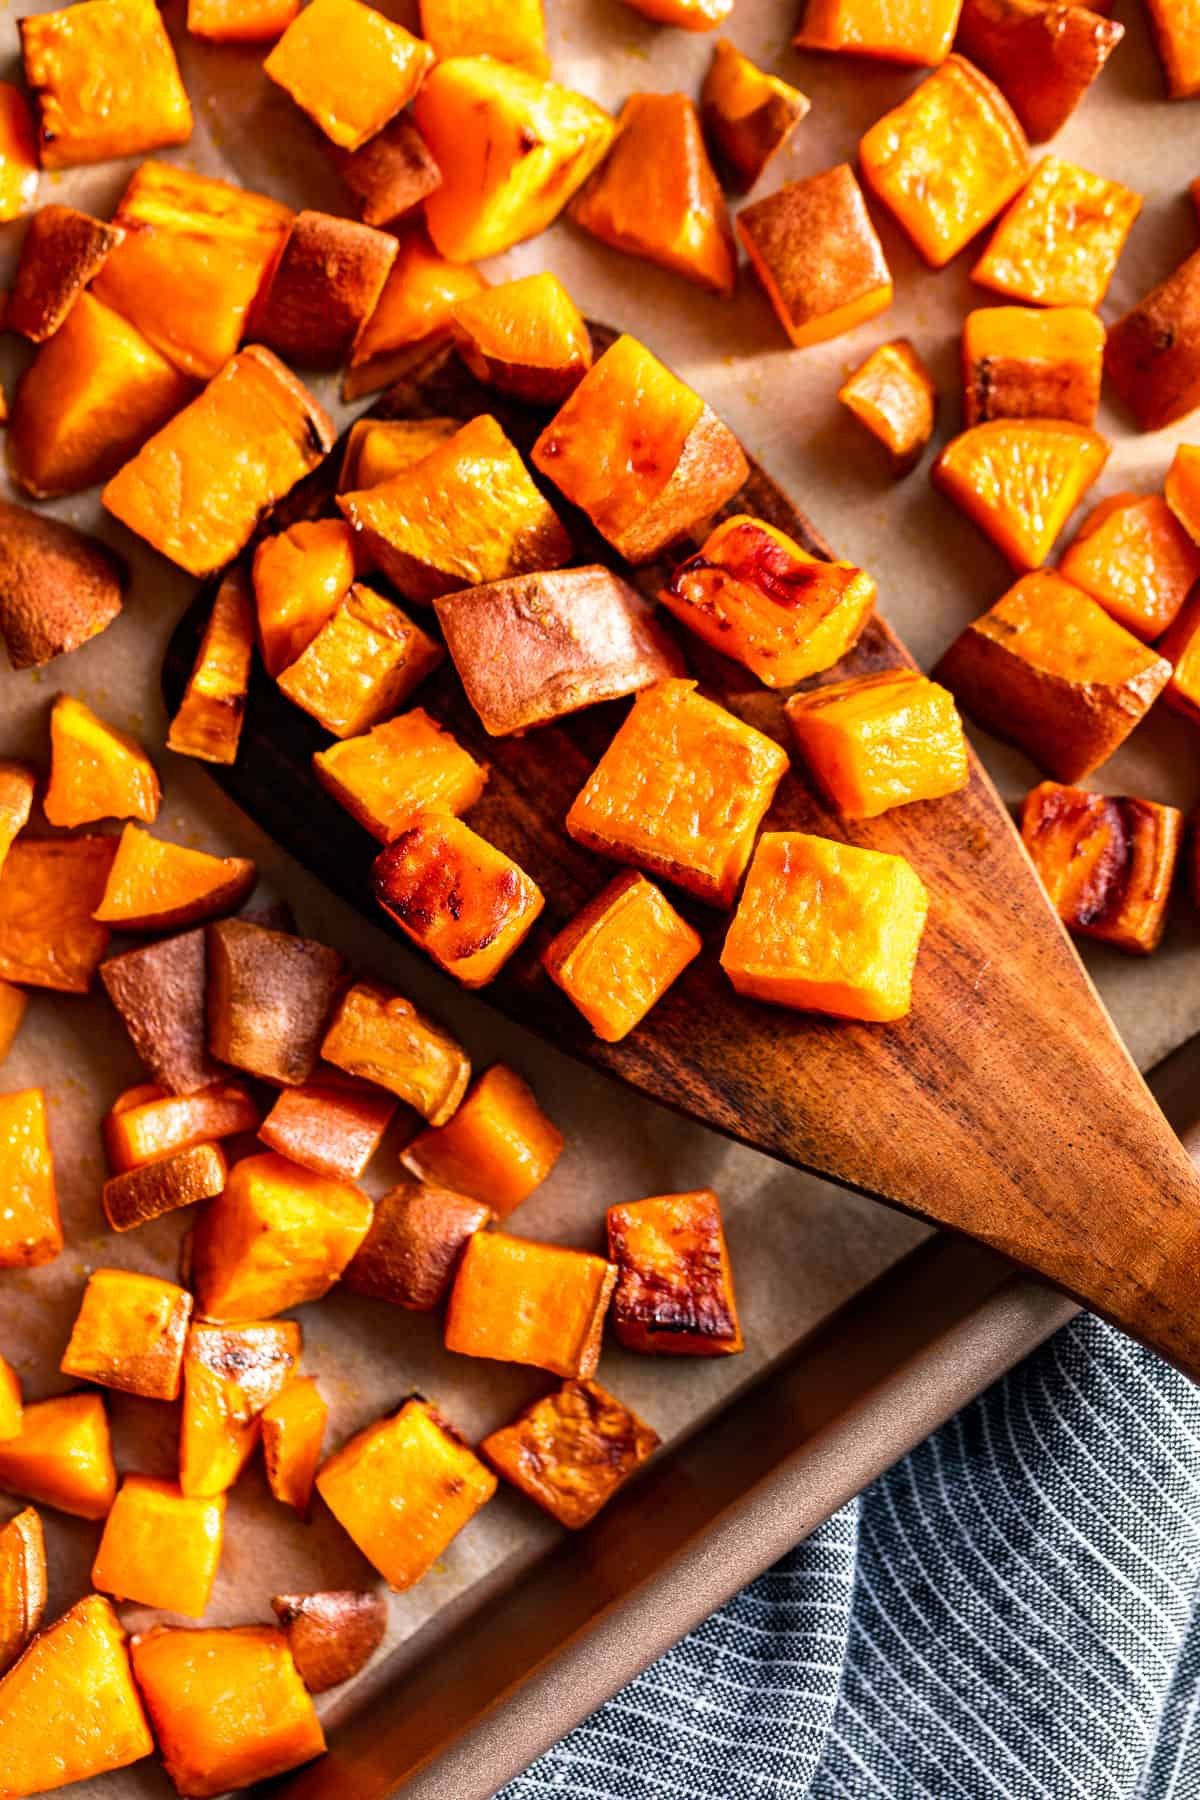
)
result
[(1004, 1106)]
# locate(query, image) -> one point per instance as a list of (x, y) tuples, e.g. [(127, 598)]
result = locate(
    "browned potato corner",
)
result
[(332, 1635)]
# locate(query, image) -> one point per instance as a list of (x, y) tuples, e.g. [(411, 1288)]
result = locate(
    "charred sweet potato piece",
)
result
[(104, 82), (323, 289), (639, 452), (208, 724), (231, 1373), (22, 1584), (1178, 44), (154, 884), (467, 513), (571, 1450), (747, 115), (58, 586), (457, 897), (17, 784), (390, 175), (539, 647), (159, 992), (179, 1179), (753, 594), (1106, 863), (409, 1255), (407, 765), (1181, 647), (1048, 670), (674, 1292), (499, 1146), (878, 741), (129, 1334), (827, 927), (49, 888), (1059, 243), (1024, 362), (1042, 55), (332, 1635), (240, 21), (363, 663), (30, 1227), (11, 1412), (893, 395), (619, 955), (62, 251), (1020, 480), (910, 33), (1153, 353), (380, 1036), (656, 195), (349, 68), (1181, 488), (333, 1124), (513, 33), (512, 147), (18, 154), (1134, 557), (63, 1457), (526, 337), (227, 1705), (947, 159), (160, 1547), (818, 256), (12, 1010), (515, 1300), (301, 576), (688, 15), (680, 792), (199, 488), (269, 996), (146, 1123), (96, 771), (415, 310), (69, 1710), (293, 1430), (417, 1455)]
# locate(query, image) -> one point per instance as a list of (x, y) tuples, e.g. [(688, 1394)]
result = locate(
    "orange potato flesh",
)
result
[(332, 1124), (910, 33), (686, 15), (269, 996), (893, 395), (512, 33), (62, 251), (169, 1182), (22, 1583), (378, 1035), (30, 1226), (620, 954), (10, 1408), (231, 1373), (1181, 489), (293, 1431), (1181, 647), (349, 68), (50, 889), (878, 741), (377, 449), (13, 1004), (499, 1146), (18, 154), (415, 309), (1132, 555), (818, 256), (405, 766), (674, 1293), (390, 175), (1153, 352), (160, 1547), (828, 928), (514, 1300), (1174, 24), (526, 337), (417, 1236), (1059, 244), (208, 724), (1042, 55), (680, 792), (129, 1334), (947, 159), (96, 771), (1106, 864), (571, 1450), (105, 82), (747, 114), (300, 575), (63, 1457), (154, 884), (363, 663), (1020, 480), (753, 594), (17, 785), (240, 21), (1024, 362)]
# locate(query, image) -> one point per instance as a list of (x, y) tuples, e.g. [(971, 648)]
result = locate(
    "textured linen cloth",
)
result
[(1010, 1611)]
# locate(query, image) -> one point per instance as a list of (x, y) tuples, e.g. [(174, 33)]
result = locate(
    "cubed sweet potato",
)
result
[(882, 740), (159, 992), (332, 1635), (687, 15), (747, 114), (525, 337), (96, 771), (209, 719), (512, 33), (417, 1236), (515, 1300), (11, 1414), (323, 289), (378, 1035), (13, 1004), (818, 256), (154, 885), (129, 1334), (104, 81), (1020, 480), (333, 1124), (269, 996), (390, 175), (1181, 489), (1181, 648), (301, 576), (909, 33), (407, 765), (18, 154), (58, 586), (1153, 353), (62, 251), (571, 1450), (349, 67), (171, 1182), (363, 663), (1177, 40), (22, 1583), (160, 1547), (619, 955), (293, 1430), (17, 785), (63, 1458), (892, 393), (414, 311), (1024, 362), (1106, 863), (377, 449), (49, 889), (146, 1123), (1134, 557), (30, 1227), (457, 897), (1059, 243), (240, 21), (498, 1148), (1042, 54), (231, 1373)]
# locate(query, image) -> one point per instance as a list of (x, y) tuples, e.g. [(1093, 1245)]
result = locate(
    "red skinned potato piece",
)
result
[(391, 174), (331, 1635), (62, 251), (269, 996), (158, 990), (58, 587), (324, 289), (412, 1249), (1153, 353), (1042, 55)]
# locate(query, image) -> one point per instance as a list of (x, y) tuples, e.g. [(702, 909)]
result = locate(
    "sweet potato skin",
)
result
[(269, 995), (1031, 363), (159, 989), (1107, 864), (674, 1292), (570, 1451), (391, 174), (417, 1236), (62, 251), (183, 1179), (817, 292), (1153, 352), (323, 290), (22, 1584), (333, 1124), (1042, 55), (747, 115), (58, 586), (208, 723), (332, 1635)]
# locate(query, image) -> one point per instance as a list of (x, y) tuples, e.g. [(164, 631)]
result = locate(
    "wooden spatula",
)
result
[(1004, 1106)]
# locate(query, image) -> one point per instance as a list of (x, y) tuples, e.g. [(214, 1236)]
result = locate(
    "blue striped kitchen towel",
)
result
[(1011, 1611)]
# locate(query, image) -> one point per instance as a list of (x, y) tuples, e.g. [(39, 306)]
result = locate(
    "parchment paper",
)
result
[(799, 1246)]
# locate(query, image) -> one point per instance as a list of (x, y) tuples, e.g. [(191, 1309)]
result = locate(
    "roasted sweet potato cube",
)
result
[(199, 488), (208, 724), (747, 115), (49, 888), (349, 67), (512, 147), (526, 337), (10, 1427), (240, 21), (160, 1547), (13, 1004), (269, 996), (332, 1635), (323, 289), (380, 1036), (1177, 40), (893, 395), (17, 784), (405, 766), (1153, 353), (467, 513), (571, 1450), (878, 741), (457, 897), (96, 771), (154, 884), (390, 175), (30, 1227), (403, 1489), (363, 663), (228, 1706), (620, 954), (146, 1123), (22, 1583), (515, 1300), (63, 1457), (377, 449), (911, 33), (674, 1292), (231, 1373), (69, 1709), (18, 154), (752, 593), (293, 1430), (169, 1183), (1181, 488), (1106, 863), (688, 15), (657, 196), (301, 575), (1042, 55), (417, 1236), (1048, 670), (58, 586), (947, 159), (1181, 647), (818, 256), (1020, 480), (680, 792), (1134, 557), (499, 1146), (415, 309), (1024, 362), (62, 251), (640, 453), (104, 81), (1059, 244), (129, 1333), (513, 33), (827, 927), (333, 1124), (159, 992)]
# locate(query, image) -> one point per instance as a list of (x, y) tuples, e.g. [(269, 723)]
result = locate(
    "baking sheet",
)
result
[(799, 1247)]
